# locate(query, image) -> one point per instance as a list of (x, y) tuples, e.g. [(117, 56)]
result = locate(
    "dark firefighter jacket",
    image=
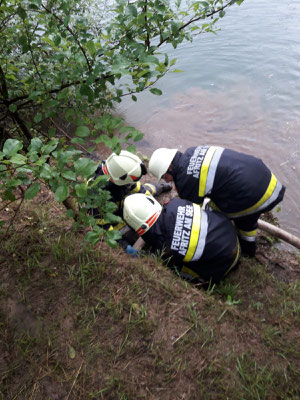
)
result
[(203, 243), (238, 184)]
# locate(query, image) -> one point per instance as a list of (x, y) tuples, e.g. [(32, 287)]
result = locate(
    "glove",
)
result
[(166, 187), (133, 252), (158, 188)]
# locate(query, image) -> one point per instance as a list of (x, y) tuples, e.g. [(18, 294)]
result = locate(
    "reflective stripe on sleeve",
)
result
[(249, 236), (270, 195), (188, 273), (208, 169), (136, 188), (150, 189), (212, 169), (198, 235)]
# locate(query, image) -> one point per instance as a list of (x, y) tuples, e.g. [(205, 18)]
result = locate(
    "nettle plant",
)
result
[(67, 62)]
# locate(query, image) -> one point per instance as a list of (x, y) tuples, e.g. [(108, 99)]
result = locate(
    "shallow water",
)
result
[(240, 89)]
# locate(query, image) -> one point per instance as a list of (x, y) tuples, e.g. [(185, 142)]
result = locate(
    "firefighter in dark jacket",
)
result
[(201, 244), (239, 185), (125, 171)]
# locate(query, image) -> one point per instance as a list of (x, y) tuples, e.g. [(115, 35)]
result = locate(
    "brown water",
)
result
[(241, 90), (197, 117)]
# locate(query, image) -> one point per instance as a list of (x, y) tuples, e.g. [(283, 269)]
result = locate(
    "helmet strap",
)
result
[(143, 168)]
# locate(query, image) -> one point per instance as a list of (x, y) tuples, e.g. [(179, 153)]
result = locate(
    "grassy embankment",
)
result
[(92, 323)]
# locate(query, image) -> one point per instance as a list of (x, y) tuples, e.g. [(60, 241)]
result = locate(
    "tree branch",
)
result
[(72, 33), (195, 19)]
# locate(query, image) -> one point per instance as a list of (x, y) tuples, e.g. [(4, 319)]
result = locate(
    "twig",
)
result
[(14, 217), (65, 133), (74, 381), (181, 336)]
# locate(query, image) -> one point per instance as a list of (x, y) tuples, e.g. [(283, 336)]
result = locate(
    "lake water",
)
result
[(240, 89)]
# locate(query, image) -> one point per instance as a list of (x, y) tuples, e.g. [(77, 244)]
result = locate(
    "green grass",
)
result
[(78, 322)]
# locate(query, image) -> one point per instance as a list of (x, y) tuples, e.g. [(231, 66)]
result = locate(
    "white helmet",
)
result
[(125, 168), (160, 161), (141, 211)]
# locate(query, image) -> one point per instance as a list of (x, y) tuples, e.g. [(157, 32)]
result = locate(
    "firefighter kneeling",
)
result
[(203, 245)]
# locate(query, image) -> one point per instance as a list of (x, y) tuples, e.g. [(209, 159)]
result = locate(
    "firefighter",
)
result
[(203, 245), (125, 171), (239, 185)]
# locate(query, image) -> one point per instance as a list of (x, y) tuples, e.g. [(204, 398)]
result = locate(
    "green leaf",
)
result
[(85, 167), (81, 190), (67, 20), (23, 42), (82, 131), (70, 175), (91, 47), (32, 191), (35, 145), (46, 171), (51, 132), (61, 193), (156, 91), (49, 147), (72, 352), (38, 117), (138, 136), (131, 10), (70, 213), (112, 243), (18, 159), (221, 13), (92, 237), (131, 148), (8, 195), (134, 98), (78, 140), (21, 12), (11, 147), (87, 91), (114, 235), (12, 108)]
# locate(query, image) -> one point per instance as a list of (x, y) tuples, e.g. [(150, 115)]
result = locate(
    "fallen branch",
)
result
[(279, 233)]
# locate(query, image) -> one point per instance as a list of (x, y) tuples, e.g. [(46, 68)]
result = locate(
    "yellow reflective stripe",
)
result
[(204, 169), (248, 233), (100, 221), (137, 188), (119, 226), (236, 258), (151, 189), (195, 232), (188, 271), (266, 196)]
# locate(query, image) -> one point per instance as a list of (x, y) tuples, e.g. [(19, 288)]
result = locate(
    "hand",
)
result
[(133, 252)]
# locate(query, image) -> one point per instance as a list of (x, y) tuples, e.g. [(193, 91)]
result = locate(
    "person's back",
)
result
[(234, 181), (239, 185), (201, 244)]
